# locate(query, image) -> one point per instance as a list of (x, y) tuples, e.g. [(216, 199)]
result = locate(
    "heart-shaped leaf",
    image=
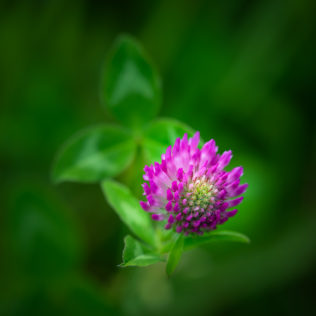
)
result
[(136, 254), (224, 235), (94, 154), (128, 209), (131, 87)]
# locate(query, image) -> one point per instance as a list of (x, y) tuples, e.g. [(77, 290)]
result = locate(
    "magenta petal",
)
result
[(194, 141), (144, 205), (180, 174), (190, 188), (241, 189), (176, 207), (189, 218), (168, 226), (151, 200), (146, 188), (180, 187), (176, 196), (164, 166), (168, 206), (184, 142), (235, 174), (225, 159), (169, 195), (171, 219), (157, 217), (174, 186), (222, 194), (235, 202), (179, 216), (224, 206), (185, 225), (231, 213), (178, 229)]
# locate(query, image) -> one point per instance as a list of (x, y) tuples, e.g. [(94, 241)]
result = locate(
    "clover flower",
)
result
[(190, 188)]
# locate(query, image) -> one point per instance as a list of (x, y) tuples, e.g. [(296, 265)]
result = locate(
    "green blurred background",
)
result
[(241, 72)]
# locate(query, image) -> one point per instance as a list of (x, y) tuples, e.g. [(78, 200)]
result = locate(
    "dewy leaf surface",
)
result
[(94, 154), (131, 87), (128, 209)]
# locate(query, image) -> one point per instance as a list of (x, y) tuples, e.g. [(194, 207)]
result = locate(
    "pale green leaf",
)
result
[(94, 154), (224, 235), (131, 87), (175, 255), (128, 209), (137, 254)]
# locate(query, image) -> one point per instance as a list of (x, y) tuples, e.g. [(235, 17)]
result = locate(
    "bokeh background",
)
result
[(242, 72)]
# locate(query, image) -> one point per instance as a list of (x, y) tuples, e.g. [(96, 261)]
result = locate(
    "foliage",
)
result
[(241, 73), (131, 92)]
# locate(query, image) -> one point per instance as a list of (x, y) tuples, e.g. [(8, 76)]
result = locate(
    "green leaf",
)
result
[(136, 254), (175, 255), (160, 134), (131, 87), (128, 209), (224, 235), (94, 154)]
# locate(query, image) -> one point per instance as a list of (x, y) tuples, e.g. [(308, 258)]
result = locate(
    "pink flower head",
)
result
[(190, 189)]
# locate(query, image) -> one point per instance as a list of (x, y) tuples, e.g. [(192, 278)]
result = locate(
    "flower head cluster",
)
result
[(190, 189)]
